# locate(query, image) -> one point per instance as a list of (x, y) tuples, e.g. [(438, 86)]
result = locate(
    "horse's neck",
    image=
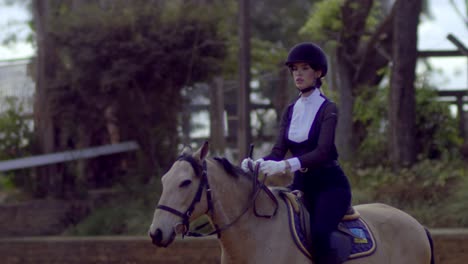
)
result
[(231, 197)]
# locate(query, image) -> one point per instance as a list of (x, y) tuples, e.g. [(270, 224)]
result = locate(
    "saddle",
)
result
[(352, 239)]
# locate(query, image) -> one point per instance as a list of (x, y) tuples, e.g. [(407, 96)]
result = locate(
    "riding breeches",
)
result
[(327, 202)]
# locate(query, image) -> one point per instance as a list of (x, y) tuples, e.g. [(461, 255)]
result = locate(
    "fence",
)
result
[(450, 248)]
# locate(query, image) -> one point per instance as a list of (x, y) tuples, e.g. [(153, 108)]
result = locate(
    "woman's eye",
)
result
[(185, 183)]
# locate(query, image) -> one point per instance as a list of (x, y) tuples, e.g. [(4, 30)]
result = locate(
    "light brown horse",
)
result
[(197, 185)]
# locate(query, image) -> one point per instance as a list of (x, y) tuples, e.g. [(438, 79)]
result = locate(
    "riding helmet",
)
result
[(310, 53)]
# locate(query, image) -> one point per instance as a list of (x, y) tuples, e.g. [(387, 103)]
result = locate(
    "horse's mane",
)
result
[(190, 159), (231, 169)]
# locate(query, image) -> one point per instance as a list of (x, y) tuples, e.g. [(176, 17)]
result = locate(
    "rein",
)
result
[(257, 186), (201, 170)]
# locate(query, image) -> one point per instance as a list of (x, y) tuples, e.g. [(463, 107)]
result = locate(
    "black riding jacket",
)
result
[(318, 152)]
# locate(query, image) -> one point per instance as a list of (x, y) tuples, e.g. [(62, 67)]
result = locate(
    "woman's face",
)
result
[(304, 76)]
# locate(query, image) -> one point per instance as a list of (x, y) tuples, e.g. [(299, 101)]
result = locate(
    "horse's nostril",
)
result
[(156, 237)]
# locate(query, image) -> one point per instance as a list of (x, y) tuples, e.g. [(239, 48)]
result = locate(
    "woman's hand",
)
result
[(245, 164), (248, 165), (270, 167)]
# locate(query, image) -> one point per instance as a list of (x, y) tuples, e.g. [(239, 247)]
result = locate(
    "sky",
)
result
[(15, 19), (432, 36)]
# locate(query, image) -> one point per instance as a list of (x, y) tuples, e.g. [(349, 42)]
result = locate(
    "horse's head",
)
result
[(183, 197)]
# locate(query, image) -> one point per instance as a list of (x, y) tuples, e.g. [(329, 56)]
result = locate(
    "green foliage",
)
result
[(430, 181), (372, 111), (432, 191), (124, 217), (117, 219), (457, 208), (266, 57), (436, 129), (325, 20), (15, 139), (277, 23), (268, 47), (128, 213), (437, 134), (133, 58), (15, 130)]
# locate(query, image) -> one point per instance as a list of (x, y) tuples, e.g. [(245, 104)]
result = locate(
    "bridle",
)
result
[(201, 171)]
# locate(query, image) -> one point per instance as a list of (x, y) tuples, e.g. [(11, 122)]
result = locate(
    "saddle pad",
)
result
[(297, 230), (363, 243)]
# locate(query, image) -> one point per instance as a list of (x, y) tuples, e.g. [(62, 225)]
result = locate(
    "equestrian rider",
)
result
[(307, 131)]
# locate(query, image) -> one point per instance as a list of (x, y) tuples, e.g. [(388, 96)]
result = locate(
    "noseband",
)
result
[(200, 171)]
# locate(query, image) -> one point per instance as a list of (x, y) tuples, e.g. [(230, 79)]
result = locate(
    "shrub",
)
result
[(127, 213), (15, 139), (433, 191), (436, 129)]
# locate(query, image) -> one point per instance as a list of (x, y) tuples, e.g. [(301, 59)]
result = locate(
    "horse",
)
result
[(196, 185)]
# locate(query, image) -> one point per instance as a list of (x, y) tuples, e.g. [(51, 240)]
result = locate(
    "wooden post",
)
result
[(243, 124), (464, 51), (402, 112), (218, 142), (461, 116)]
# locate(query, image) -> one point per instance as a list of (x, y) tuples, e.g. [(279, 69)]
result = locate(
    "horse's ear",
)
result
[(202, 152), (187, 150)]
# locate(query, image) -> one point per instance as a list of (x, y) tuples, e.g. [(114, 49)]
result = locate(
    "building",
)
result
[(16, 82)]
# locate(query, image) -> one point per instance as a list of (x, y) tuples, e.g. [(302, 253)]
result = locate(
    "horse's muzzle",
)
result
[(156, 238)]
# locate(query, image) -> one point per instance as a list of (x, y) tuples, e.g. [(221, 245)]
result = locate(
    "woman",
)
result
[(307, 131)]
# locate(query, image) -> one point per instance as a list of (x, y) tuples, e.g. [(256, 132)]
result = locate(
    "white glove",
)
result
[(245, 164), (248, 168), (270, 167)]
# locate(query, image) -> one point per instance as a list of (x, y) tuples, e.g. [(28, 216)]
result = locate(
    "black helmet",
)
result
[(310, 53)]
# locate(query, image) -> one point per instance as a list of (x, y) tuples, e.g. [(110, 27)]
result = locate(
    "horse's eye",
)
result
[(185, 183)]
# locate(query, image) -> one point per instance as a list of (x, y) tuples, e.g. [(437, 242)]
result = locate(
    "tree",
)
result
[(402, 114), (44, 122), (118, 69), (268, 49), (360, 38), (271, 46)]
